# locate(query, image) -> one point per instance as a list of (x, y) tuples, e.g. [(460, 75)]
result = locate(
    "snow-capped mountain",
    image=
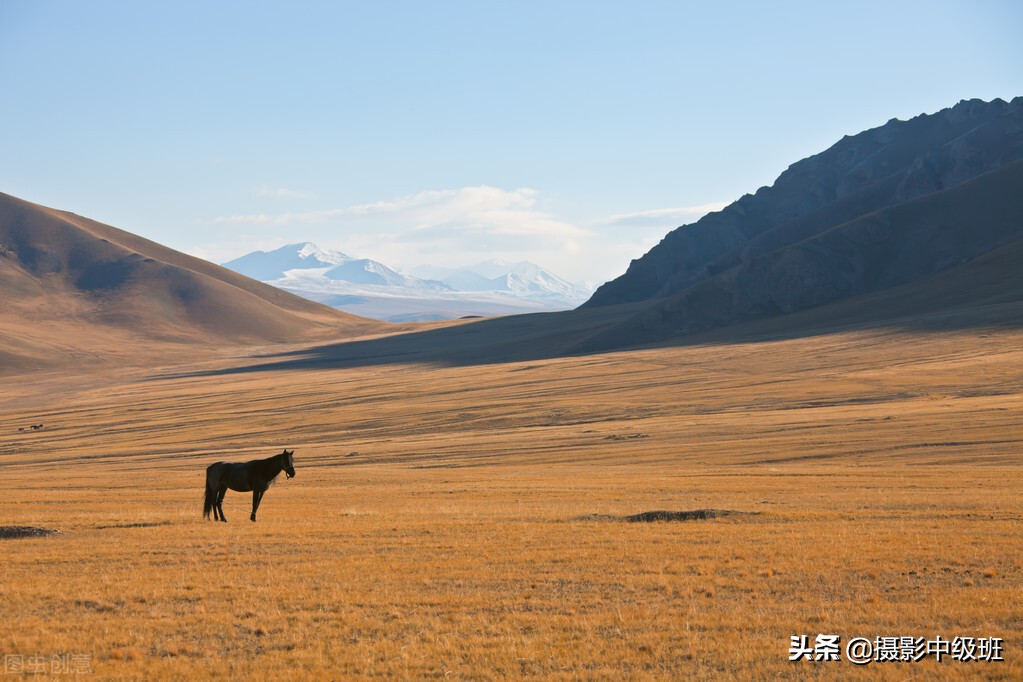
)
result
[(366, 271), (464, 280), (270, 265), (499, 275), (371, 289), (307, 261)]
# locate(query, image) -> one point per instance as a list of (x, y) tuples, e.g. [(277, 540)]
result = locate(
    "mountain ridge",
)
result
[(749, 260)]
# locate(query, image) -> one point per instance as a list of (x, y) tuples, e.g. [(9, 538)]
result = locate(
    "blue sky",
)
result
[(572, 134)]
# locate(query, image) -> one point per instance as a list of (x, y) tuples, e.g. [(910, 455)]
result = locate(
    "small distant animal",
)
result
[(34, 427), (255, 476)]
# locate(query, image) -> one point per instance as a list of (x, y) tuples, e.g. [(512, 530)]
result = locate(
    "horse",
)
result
[(255, 476)]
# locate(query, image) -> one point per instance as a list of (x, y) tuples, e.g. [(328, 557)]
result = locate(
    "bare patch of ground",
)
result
[(14, 532), (662, 515)]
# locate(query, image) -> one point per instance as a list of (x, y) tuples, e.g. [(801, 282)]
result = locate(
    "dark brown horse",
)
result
[(255, 476)]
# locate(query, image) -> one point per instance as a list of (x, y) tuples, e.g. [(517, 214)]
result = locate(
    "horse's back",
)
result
[(217, 473)]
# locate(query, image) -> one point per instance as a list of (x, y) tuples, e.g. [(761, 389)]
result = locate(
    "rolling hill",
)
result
[(76, 288)]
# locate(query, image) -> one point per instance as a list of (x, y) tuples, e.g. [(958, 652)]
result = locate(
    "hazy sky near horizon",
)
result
[(572, 134)]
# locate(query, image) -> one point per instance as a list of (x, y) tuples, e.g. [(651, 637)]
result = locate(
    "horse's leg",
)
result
[(220, 501), (214, 493), (257, 497)]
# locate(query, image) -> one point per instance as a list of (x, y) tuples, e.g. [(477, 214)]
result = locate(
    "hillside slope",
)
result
[(956, 249), (73, 286), (876, 210)]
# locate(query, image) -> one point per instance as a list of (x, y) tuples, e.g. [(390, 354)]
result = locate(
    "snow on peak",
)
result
[(272, 265), (323, 274), (324, 256)]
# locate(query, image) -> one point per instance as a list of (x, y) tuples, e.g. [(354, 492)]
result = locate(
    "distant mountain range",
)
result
[(372, 289), (884, 208), (498, 275)]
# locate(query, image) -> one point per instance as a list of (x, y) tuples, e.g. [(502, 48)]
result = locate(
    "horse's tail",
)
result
[(210, 497), (207, 501)]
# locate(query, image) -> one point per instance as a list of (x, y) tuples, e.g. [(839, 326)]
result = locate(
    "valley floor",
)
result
[(463, 521)]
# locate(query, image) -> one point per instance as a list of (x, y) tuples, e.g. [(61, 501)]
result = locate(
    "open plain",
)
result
[(463, 520)]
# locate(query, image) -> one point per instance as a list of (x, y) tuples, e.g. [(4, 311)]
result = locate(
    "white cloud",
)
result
[(481, 209), (442, 227), (660, 217)]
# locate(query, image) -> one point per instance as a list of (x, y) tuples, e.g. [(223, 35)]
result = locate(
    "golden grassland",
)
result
[(452, 521)]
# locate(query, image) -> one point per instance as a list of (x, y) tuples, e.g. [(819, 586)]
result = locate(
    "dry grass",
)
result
[(438, 523)]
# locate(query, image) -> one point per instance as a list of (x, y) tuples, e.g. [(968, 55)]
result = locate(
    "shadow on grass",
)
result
[(544, 336), (515, 338)]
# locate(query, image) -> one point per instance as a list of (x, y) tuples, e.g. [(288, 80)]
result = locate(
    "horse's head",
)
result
[(288, 463)]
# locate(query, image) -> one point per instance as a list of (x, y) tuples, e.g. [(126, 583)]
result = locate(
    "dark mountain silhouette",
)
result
[(74, 286), (876, 210)]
